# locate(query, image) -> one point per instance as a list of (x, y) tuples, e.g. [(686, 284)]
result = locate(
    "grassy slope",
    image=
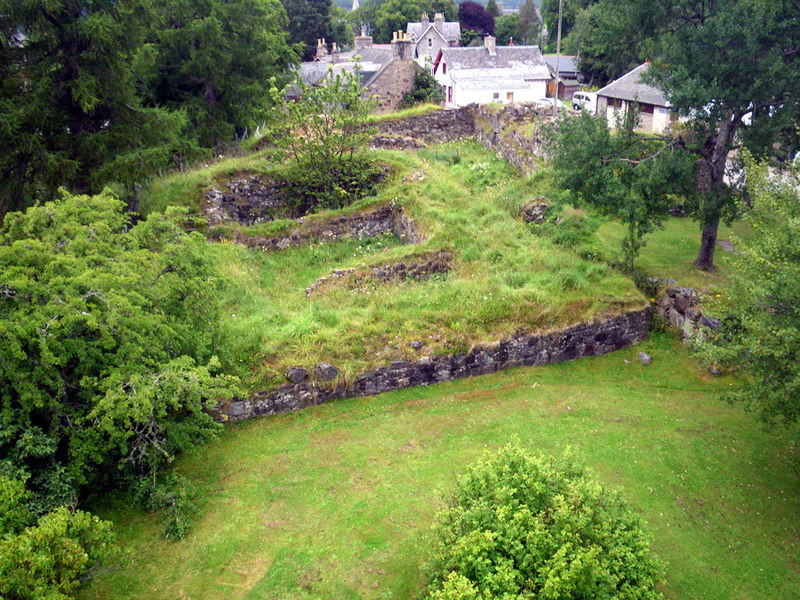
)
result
[(504, 277), (337, 501)]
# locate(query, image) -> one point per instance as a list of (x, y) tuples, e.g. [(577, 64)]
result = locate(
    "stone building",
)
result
[(387, 70), (429, 38)]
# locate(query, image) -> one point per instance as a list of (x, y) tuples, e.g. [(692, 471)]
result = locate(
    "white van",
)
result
[(586, 101)]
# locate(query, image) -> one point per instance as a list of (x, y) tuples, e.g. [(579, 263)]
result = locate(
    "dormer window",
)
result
[(430, 42)]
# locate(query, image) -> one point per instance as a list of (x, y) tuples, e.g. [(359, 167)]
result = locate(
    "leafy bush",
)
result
[(425, 90), (175, 498), (107, 342), (525, 526), (48, 558)]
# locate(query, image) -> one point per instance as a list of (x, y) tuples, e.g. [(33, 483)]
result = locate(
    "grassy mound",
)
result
[(465, 201)]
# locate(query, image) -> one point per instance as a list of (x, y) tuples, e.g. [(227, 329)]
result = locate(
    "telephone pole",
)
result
[(558, 61)]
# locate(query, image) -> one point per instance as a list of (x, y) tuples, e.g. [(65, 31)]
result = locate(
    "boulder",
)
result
[(714, 370), (692, 313), (325, 372), (645, 358), (296, 374), (710, 322), (417, 344), (534, 211)]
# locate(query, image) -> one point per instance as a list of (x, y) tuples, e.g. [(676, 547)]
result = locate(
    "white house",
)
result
[(429, 37), (487, 74), (655, 111)]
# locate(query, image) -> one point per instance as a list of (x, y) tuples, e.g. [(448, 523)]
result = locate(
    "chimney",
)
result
[(438, 21), (425, 22), (322, 51), (402, 46), (361, 42), (489, 42), (334, 53)]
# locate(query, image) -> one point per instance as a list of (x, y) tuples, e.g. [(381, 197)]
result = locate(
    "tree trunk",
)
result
[(708, 241)]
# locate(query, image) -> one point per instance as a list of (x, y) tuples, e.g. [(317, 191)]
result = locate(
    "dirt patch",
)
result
[(417, 268)]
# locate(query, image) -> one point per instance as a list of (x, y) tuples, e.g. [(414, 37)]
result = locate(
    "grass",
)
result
[(337, 501), (413, 111), (504, 278)]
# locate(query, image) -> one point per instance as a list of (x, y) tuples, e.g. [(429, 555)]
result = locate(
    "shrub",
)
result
[(425, 89), (525, 526)]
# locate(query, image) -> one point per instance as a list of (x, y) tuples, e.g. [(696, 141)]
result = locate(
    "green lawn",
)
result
[(337, 501), (504, 277)]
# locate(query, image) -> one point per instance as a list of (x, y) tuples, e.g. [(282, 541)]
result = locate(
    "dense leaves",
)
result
[(381, 18), (620, 173), (524, 526), (761, 315), (324, 133), (213, 61), (69, 109), (473, 16), (107, 341), (425, 89), (529, 24)]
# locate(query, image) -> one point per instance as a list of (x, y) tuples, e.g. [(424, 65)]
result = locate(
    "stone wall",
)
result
[(588, 339), (396, 79), (372, 223), (495, 129)]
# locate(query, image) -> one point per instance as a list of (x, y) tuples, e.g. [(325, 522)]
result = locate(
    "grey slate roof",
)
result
[(525, 60), (450, 30), (567, 64), (631, 87), (373, 60)]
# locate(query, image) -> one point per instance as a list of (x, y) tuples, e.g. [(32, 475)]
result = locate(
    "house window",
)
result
[(444, 68), (496, 96), (430, 42), (449, 94), (647, 109)]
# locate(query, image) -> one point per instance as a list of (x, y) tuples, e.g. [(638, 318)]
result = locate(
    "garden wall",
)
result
[(587, 339)]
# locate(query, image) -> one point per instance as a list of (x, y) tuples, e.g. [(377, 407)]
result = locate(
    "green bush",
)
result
[(525, 526), (425, 90)]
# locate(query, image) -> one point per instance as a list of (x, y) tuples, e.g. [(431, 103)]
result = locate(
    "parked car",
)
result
[(585, 101), (545, 102)]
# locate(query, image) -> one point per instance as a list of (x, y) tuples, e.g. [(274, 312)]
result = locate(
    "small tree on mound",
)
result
[(525, 526)]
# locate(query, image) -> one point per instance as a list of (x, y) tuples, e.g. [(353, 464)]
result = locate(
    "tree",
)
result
[(472, 16), (505, 28), (601, 56), (213, 60), (493, 9), (570, 10), (69, 109), (719, 62), (381, 17), (309, 20), (108, 335), (324, 133), (529, 24), (760, 332), (527, 526), (620, 173)]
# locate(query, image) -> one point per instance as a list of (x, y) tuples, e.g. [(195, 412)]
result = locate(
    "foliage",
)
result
[(760, 334), (716, 88), (505, 28), (175, 498), (107, 340), (310, 20), (52, 557), (493, 9), (69, 109), (570, 9), (620, 173), (426, 90), (213, 61), (324, 133), (524, 526), (601, 56), (529, 24), (473, 16), (384, 17)]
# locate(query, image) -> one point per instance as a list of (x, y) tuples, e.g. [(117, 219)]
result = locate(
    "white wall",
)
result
[(484, 95)]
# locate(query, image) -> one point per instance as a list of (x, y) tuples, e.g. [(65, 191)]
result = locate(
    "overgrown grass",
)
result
[(337, 501), (504, 278), (412, 111)]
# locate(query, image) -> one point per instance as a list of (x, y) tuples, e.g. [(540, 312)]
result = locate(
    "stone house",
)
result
[(429, 37), (630, 90), (488, 73), (387, 70)]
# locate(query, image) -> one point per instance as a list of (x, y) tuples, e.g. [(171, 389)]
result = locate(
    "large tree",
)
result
[(760, 332), (733, 68), (570, 10), (529, 24), (213, 60), (69, 109), (473, 17), (382, 18)]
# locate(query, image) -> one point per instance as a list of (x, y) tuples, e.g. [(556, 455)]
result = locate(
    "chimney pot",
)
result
[(490, 42)]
